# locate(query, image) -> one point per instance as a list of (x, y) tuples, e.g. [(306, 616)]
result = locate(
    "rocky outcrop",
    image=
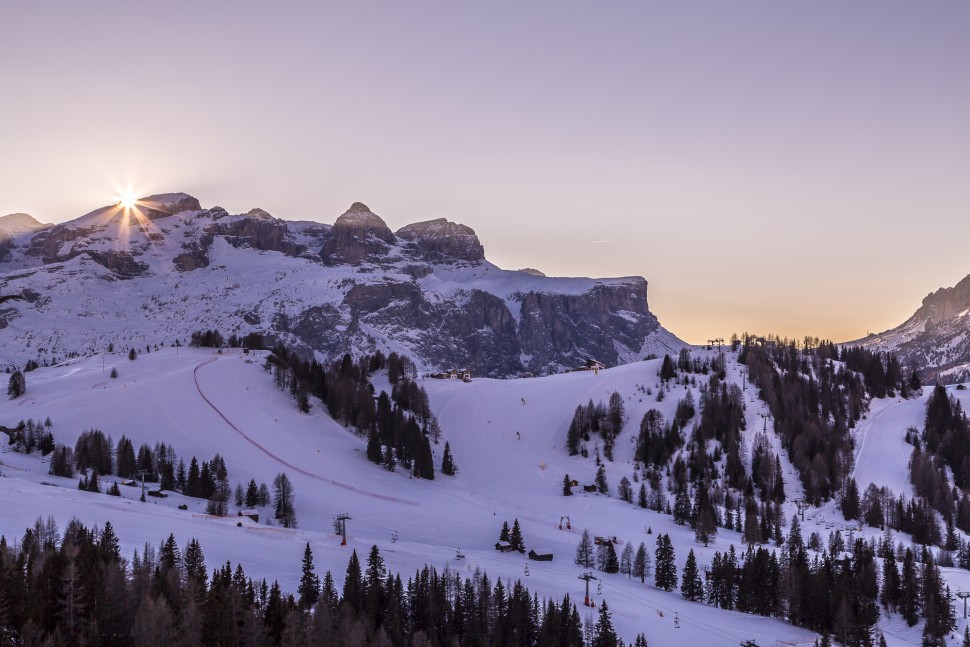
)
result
[(441, 241), (568, 328), (163, 205), (257, 230), (936, 339), (358, 235), (944, 304), (122, 264), (49, 244)]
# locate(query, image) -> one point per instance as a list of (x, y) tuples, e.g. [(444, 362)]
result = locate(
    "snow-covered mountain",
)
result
[(13, 225), (936, 338), (169, 267)]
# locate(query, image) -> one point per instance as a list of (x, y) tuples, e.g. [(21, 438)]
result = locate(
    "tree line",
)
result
[(76, 588)]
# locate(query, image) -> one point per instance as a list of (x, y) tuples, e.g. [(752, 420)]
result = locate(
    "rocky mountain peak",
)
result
[(357, 235), (945, 303), (163, 205), (443, 241)]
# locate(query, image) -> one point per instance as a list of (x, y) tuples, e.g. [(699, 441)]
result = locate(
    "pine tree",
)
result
[(642, 497), (503, 534), (567, 486), (447, 461), (690, 585), (665, 569), (283, 500), (374, 453), (252, 494), (114, 372), (515, 537), (611, 564), (132, 354), (17, 385), (909, 580), (584, 551), (850, 501), (626, 560), (605, 635), (601, 485), (667, 370), (309, 589), (641, 563)]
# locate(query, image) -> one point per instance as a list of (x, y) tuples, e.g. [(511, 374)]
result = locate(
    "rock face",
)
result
[(358, 235), (155, 207), (441, 241), (427, 291), (936, 339)]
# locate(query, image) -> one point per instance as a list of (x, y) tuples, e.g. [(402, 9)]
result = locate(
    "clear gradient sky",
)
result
[(787, 167)]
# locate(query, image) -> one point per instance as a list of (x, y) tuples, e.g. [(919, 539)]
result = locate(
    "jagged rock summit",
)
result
[(172, 267), (936, 339)]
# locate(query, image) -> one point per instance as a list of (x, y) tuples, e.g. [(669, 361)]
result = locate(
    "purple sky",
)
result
[(796, 168)]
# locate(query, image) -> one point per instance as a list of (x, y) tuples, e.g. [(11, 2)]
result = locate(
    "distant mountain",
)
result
[(173, 267), (13, 226), (16, 224), (936, 338)]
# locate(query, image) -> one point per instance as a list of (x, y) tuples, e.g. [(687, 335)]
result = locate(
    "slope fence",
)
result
[(278, 459)]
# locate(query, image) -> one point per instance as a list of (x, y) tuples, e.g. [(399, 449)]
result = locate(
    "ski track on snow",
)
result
[(282, 461)]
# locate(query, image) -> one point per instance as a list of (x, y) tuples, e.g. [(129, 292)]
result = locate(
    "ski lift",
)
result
[(459, 554), (526, 570), (565, 521), (599, 588), (394, 537)]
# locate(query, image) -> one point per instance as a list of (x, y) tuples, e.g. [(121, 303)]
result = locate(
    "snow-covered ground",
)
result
[(507, 437)]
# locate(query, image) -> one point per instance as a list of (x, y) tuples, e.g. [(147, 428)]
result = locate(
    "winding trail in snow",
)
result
[(282, 461)]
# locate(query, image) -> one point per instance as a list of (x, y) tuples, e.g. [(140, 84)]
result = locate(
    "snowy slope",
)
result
[(202, 403), (507, 437)]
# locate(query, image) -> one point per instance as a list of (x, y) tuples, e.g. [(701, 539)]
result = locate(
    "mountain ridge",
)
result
[(936, 338), (171, 267)]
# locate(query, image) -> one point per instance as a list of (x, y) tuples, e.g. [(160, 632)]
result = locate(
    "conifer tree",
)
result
[(283, 500), (515, 537), (667, 369), (605, 635), (690, 585), (610, 563), (447, 461), (132, 354), (309, 589), (374, 452), (626, 560), (641, 562), (567, 487), (850, 501), (17, 385), (665, 568), (601, 485), (584, 551), (642, 497), (503, 534)]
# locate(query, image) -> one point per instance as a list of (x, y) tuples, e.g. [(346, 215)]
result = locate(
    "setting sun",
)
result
[(127, 199)]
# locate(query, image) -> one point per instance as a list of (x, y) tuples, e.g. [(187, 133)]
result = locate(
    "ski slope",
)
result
[(507, 437)]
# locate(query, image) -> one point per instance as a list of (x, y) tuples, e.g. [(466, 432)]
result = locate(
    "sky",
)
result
[(796, 168)]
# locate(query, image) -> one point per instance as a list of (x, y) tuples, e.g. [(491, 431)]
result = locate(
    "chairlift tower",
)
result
[(341, 523), (802, 506), (142, 474), (963, 595), (587, 576)]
